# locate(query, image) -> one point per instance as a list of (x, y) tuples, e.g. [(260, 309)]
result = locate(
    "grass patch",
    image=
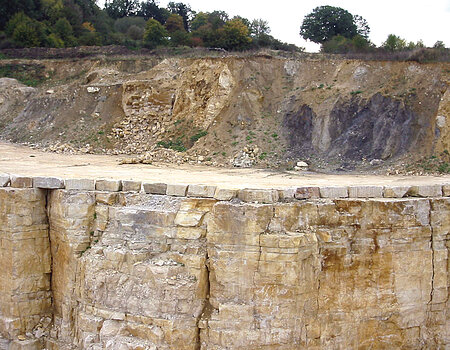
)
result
[(28, 74), (198, 135), (433, 165), (176, 145)]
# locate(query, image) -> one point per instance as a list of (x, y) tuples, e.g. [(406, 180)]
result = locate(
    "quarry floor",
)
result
[(21, 160)]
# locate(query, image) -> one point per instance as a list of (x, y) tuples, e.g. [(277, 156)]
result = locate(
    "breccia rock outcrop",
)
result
[(116, 270)]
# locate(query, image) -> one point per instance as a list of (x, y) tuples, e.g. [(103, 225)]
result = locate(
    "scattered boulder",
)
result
[(301, 165), (93, 89)]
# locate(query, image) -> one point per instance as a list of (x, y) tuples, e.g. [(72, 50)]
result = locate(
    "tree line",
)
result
[(133, 23), (137, 23), (338, 31)]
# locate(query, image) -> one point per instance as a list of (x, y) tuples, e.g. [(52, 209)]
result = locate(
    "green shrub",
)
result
[(199, 135), (26, 31), (90, 39), (155, 34), (135, 32), (176, 145), (54, 41), (123, 24)]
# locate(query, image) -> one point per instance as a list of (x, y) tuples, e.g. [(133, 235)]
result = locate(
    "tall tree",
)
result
[(218, 19), (121, 8), (155, 34), (150, 9), (10, 7), (184, 11), (236, 35), (394, 43), (325, 22), (174, 23), (259, 27)]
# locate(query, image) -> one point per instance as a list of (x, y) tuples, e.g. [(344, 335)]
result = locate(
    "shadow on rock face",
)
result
[(376, 128)]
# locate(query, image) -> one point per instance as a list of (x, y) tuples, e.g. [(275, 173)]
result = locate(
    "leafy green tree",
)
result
[(121, 8), (217, 19), (103, 24), (439, 45), (412, 45), (259, 27), (155, 34), (236, 35), (208, 29), (63, 29), (150, 9), (341, 44), (180, 38), (9, 8), (90, 39), (199, 20), (54, 41), (174, 23), (184, 11), (245, 21), (362, 27), (325, 22), (73, 13), (394, 43), (122, 24), (26, 31), (52, 9), (89, 8), (135, 33)]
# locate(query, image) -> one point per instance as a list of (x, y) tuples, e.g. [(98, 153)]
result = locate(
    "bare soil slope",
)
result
[(264, 111)]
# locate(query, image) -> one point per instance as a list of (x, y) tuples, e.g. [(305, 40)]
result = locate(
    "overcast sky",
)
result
[(410, 19)]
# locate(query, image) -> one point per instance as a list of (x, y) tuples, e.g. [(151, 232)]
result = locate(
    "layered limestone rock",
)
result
[(143, 271), (25, 265)]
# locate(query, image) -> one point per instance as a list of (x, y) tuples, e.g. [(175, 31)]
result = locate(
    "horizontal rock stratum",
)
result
[(113, 264)]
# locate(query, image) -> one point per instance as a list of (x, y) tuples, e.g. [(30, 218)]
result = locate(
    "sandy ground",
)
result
[(22, 160)]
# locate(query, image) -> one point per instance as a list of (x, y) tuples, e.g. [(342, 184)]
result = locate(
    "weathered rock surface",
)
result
[(25, 261), (143, 271)]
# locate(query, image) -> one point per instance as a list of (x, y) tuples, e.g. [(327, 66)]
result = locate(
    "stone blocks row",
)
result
[(223, 194)]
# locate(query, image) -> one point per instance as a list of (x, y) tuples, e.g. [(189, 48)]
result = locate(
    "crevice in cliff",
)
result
[(432, 251), (49, 226), (205, 315)]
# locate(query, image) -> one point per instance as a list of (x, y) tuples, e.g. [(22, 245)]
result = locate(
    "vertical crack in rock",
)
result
[(432, 251), (47, 214), (207, 308)]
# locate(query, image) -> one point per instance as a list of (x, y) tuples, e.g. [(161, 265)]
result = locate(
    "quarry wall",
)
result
[(262, 110), (112, 264)]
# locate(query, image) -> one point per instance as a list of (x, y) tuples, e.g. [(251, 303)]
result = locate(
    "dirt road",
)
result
[(22, 160)]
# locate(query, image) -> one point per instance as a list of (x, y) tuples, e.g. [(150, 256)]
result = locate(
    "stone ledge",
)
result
[(50, 183), (108, 185), (248, 195), (365, 192), (131, 186), (334, 192), (155, 188), (258, 196), (21, 181), (80, 184)]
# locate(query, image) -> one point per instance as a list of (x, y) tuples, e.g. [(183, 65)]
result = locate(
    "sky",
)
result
[(412, 20)]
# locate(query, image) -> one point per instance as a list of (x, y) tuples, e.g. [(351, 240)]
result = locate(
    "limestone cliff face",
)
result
[(139, 271)]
